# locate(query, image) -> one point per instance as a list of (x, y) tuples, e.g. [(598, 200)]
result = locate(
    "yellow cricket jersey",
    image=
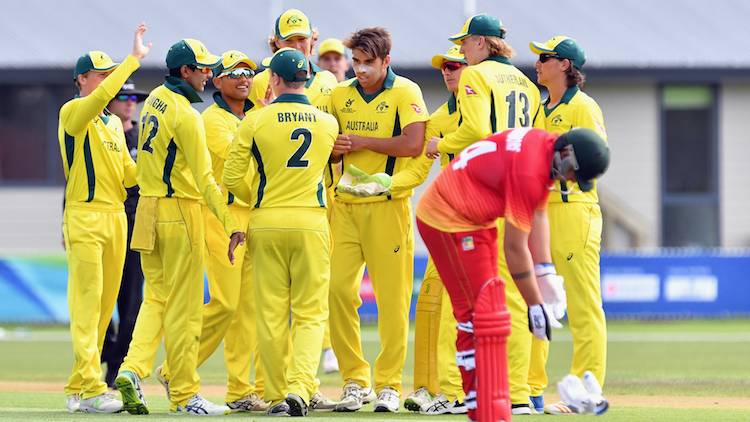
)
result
[(173, 159), (221, 128), (492, 96), (317, 89), (95, 157), (576, 109), (442, 122), (290, 142), (383, 114)]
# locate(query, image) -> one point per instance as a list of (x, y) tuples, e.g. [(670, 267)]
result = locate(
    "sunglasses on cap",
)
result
[(127, 98), (201, 69), (544, 57), (452, 66), (238, 73)]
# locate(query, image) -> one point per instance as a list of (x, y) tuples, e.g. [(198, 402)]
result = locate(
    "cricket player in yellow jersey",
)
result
[(437, 381), (382, 118), (230, 314), (293, 30), (493, 96), (332, 57), (174, 173), (574, 217), (290, 143), (98, 168)]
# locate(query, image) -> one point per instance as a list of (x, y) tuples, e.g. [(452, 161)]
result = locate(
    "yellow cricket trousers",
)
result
[(173, 296), (575, 238), (229, 315), (95, 244), (520, 343), (291, 272), (435, 339), (381, 235)]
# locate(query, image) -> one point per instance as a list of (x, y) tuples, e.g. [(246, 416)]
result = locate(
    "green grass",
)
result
[(678, 358)]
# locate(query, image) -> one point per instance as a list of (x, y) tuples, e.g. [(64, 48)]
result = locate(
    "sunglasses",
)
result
[(128, 98), (544, 57), (452, 66), (201, 69), (238, 73)]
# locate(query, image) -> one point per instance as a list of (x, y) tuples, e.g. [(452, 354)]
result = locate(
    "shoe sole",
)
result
[(352, 408), (296, 408), (411, 405), (130, 401), (383, 409)]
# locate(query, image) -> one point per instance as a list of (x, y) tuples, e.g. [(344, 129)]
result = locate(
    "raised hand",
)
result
[(139, 50)]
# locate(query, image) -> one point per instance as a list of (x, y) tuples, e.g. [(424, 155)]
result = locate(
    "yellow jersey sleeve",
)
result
[(589, 115), (78, 113), (417, 169), (218, 135), (129, 167), (411, 107), (259, 87), (238, 160), (190, 136), (474, 103)]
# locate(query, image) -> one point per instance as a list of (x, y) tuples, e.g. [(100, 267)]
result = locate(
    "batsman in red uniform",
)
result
[(508, 175)]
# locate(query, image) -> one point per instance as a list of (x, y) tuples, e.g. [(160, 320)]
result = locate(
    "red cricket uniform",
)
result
[(507, 175)]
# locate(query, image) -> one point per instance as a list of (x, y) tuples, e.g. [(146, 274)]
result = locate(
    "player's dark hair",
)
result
[(375, 42), (574, 77), (293, 85), (176, 72)]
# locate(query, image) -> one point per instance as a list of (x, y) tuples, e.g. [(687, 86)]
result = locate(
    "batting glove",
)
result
[(358, 183), (539, 324), (552, 288)]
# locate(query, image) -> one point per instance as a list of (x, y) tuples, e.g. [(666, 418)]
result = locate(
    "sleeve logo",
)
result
[(469, 91), (417, 109)]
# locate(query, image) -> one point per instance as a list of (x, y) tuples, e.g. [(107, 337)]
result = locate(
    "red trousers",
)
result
[(465, 261)]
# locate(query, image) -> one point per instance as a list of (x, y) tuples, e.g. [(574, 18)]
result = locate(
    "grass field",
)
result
[(657, 371)]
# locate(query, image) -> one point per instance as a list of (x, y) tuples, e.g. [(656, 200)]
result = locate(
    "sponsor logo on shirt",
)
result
[(417, 109), (469, 91), (348, 106)]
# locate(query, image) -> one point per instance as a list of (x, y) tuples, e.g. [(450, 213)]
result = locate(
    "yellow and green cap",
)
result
[(290, 64), (292, 23), (97, 61), (331, 45), (562, 47), (189, 51), (482, 24), (452, 55), (232, 58)]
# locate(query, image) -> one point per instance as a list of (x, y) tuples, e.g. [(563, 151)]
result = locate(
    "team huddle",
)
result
[(294, 180)]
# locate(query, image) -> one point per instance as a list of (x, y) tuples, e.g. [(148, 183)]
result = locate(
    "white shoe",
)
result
[(368, 395), (250, 403), (103, 403), (601, 405), (417, 400), (321, 403), (351, 398), (162, 380), (579, 396), (388, 400), (198, 406), (443, 406), (522, 409), (73, 402), (330, 363)]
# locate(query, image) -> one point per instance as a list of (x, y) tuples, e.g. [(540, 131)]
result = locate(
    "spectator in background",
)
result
[(131, 289), (332, 57)]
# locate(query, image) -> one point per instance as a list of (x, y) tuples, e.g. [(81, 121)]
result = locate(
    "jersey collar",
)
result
[(390, 77), (219, 100), (181, 87), (567, 96), (499, 59), (314, 69), (452, 106), (292, 98)]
